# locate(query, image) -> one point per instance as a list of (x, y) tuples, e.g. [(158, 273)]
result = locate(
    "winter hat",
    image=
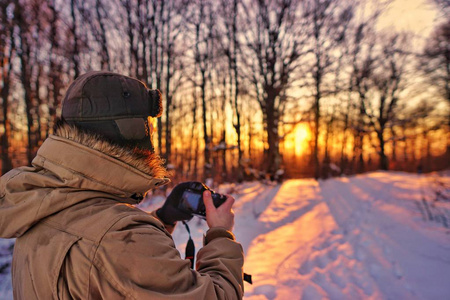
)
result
[(114, 106)]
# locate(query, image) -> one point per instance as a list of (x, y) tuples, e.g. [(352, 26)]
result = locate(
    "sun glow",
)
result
[(297, 140)]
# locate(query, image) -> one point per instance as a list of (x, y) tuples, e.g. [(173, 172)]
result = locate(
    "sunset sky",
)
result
[(417, 16), (410, 15)]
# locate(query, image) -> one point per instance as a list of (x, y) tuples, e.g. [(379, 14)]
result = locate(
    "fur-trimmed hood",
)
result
[(145, 161), (71, 167)]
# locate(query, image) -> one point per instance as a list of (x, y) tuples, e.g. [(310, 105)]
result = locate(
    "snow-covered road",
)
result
[(362, 237)]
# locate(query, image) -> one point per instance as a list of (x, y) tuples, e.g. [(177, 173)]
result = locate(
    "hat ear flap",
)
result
[(155, 103)]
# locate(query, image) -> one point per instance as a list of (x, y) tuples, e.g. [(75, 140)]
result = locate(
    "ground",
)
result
[(382, 235)]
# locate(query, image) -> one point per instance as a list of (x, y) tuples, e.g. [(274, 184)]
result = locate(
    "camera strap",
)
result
[(190, 253), (190, 247)]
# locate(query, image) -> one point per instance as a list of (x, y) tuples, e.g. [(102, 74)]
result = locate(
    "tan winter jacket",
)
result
[(80, 237)]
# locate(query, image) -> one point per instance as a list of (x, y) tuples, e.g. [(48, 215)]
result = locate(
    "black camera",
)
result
[(192, 199)]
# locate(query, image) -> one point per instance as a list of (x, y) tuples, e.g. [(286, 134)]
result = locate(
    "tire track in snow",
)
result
[(250, 206), (348, 238), (290, 213), (372, 248), (275, 206)]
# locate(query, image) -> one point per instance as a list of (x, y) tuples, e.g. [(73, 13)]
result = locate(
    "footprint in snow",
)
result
[(366, 243), (337, 231), (398, 272), (375, 270), (306, 267), (338, 279), (311, 292), (332, 291), (333, 254), (360, 254), (337, 238), (321, 261), (387, 251), (365, 286)]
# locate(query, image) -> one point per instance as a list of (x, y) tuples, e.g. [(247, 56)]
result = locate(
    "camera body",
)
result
[(192, 199)]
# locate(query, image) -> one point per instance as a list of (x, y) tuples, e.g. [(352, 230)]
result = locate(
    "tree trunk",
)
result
[(318, 96), (327, 158), (6, 161), (237, 126), (105, 60), (250, 137), (168, 145), (394, 145), (224, 156), (168, 127), (206, 153), (76, 52), (316, 134), (192, 155), (158, 64), (54, 75), (273, 152), (384, 164), (24, 57), (360, 165), (6, 72), (40, 102), (344, 157)]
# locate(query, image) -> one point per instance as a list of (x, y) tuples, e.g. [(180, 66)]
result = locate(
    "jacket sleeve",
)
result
[(137, 259)]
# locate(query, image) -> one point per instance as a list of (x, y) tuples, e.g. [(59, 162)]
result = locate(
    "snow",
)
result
[(380, 235), (5, 261)]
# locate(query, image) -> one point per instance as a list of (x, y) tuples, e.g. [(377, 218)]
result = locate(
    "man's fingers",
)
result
[(209, 204), (207, 200), (228, 203), (221, 216)]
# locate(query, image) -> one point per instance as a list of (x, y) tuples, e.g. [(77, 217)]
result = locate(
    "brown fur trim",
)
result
[(143, 160)]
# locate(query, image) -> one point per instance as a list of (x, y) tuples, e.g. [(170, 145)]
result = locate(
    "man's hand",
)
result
[(169, 212), (222, 216)]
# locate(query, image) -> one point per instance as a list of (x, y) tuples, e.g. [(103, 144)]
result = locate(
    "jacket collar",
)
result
[(104, 166)]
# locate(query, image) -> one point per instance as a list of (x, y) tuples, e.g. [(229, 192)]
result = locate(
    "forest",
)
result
[(252, 88)]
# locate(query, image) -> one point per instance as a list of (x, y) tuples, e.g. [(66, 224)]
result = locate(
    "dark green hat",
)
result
[(114, 106)]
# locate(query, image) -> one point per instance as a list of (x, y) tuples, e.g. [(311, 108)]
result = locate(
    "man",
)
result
[(79, 235)]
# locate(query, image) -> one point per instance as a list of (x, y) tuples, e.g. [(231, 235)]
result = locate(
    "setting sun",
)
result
[(297, 140), (302, 134)]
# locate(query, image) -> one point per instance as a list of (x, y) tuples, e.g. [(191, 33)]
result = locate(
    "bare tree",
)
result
[(56, 51), (25, 54), (174, 76), (6, 55), (443, 6), (74, 31), (261, 58), (202, 23), (329, 22), (230, 46), (386, 82), (274, 44), (361, 45), (99, 29), (435, 60)]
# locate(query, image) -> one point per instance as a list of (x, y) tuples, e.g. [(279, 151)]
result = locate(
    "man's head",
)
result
[(113, 106)]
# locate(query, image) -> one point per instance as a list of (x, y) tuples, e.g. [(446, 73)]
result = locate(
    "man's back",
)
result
[(80, 237)]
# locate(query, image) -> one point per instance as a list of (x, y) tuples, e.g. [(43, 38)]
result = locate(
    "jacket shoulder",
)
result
[(94, 218)]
